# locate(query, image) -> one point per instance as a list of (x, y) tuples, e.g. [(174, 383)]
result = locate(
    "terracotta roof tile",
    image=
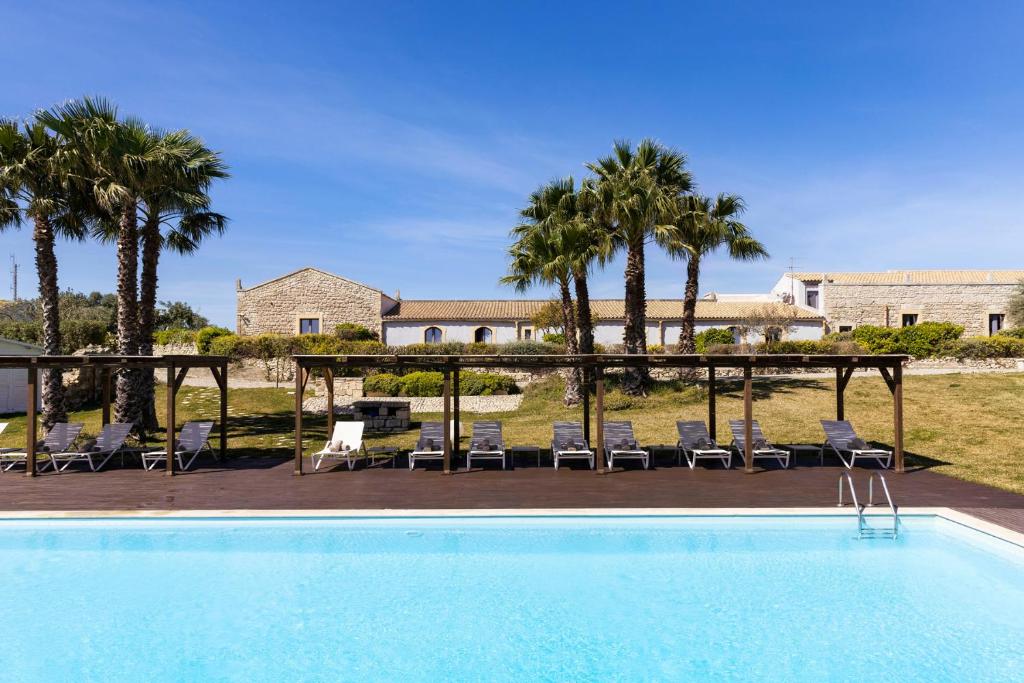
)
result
[(918, 277), (603, 309)]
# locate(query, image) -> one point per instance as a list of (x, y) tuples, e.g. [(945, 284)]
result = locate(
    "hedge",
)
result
[(174, 336), (801, 347), (205, 337), (1015, 332), (354, 332), (711, 337), (74, 334), (922, 340), (432, 384), (997, 346)]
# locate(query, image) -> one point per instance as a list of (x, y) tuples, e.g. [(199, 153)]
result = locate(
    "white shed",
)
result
[(13, 380)]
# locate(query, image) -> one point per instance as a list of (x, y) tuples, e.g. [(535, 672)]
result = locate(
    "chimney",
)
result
[(238, 285), (398, 295)]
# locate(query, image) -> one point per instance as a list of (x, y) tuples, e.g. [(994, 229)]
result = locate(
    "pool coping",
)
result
[(948, 514)]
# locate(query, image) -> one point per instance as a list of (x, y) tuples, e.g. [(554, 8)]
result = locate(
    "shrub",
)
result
[(481, 349), (1015, 332), (878, 339), (422, 384), (921, 341), (811, 347), (655, 348), (530, 348), (997, 346), (205, 337), (383, 383), (423, 349), (177, 335), (486, 384), (712, 336), (555, 338), (355, 332), (75, 334)]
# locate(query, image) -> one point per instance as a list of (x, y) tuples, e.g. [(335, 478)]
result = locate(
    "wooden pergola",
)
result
[(593, 367), (177, 368)]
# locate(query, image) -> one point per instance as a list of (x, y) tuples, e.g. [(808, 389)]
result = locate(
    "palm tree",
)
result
[(34, 182), (539, 257), (703, 226), (635, 198), (176, 215)]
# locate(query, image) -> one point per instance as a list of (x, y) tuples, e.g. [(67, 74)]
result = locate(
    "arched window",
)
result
[(483, 334), (432, 335)]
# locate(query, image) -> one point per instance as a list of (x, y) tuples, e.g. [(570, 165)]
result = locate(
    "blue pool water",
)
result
[(560, 599)]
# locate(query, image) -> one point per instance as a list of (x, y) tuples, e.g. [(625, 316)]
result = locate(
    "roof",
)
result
[(918, 277), (303, 270), (492, 310)]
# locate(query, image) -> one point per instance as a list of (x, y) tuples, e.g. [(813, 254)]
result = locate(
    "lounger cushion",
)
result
[(858, 444), (761, 444), (701, 444), (89, 446)]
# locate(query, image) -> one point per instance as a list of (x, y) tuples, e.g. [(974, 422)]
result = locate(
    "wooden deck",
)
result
[(268, 484)]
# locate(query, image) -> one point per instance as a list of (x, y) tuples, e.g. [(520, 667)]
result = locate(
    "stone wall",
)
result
[(967, 305), (276, 306)]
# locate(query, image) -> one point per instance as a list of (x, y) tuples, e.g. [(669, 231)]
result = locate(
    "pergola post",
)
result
[(299, 385), (748, 418), (224, 410), (840, 409), (105, 394), (447, 417), (586, 403), (329, 384), (455, 411), (30, 422), (897, 407), (712, 413), (172, 392), (599, 414)]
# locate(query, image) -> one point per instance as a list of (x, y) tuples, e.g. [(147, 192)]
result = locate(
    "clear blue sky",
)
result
[(394, 142)]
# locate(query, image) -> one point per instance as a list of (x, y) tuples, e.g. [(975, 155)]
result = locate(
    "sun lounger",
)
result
[(346, 443), (568, 444), (762, 448), (696, 444), (619, 442), (430, 445), (58, 440), (486, 443), (107, 445), (192, 440), (3, 426), (841, 438)]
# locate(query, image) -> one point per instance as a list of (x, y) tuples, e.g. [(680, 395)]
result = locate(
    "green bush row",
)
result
[(74, 334), (432, 384), (174, 336), (266, 346), (802, 347), (923, 340), (713, 336), (997, 346)]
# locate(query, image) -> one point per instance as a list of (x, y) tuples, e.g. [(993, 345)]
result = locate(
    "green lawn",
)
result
[(965, 426)]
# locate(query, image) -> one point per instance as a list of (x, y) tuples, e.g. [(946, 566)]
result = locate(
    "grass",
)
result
[(965, 426)]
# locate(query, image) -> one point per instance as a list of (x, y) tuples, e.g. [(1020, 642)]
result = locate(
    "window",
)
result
[(773, 334), (995, 323), (483, 335), (527, 333), (812, 298), (432, 335), (309, 325), (908, 319), (845, 328)]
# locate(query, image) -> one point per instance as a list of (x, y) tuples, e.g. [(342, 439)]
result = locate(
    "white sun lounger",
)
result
[(58, 440), (695, 443), (841, 438), (486, 443), (762, 448), (619, 442), (108, 444), (568, 444), (430, 445), (193, 439), (346, 444)]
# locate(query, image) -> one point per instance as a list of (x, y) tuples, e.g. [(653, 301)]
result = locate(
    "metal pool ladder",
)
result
[(863, 530)]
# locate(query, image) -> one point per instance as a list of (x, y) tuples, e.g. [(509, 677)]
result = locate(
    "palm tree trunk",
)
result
[(584, 320), (147, 318), (634, 337), (687, 333), (54, 408), (126, 401), (572, 379)]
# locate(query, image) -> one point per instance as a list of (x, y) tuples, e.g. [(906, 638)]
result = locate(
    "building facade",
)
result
[(976, 299), (314, 301)]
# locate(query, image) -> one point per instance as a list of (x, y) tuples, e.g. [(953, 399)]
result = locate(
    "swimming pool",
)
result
[(542, 598)]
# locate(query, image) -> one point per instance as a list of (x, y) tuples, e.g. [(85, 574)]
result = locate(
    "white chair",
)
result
[(430, 445), (58, 440), (620, 443), (193, 439), (841, 438), (108, 444), (695, 443), (762, 448), (346, 443), (568, 443), (486, 443)]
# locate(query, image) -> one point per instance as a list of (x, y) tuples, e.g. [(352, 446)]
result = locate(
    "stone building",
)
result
[(311, 300), (976, 299)]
